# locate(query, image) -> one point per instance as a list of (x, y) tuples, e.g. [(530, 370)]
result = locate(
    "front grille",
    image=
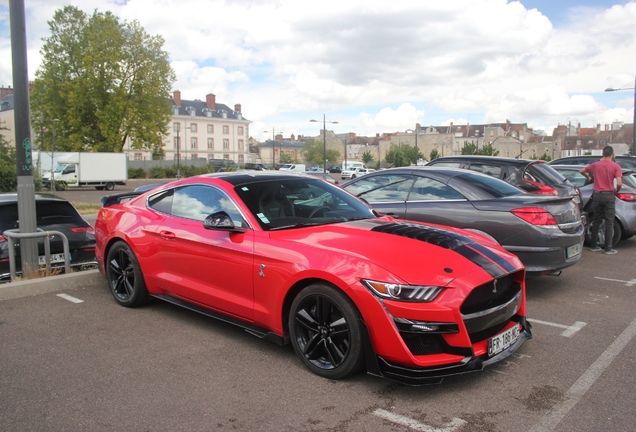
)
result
[(420, 344), (491, 294)]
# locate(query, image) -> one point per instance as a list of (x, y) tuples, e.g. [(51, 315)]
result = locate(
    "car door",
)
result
[(386, 193), (433, 201), (209, 267)]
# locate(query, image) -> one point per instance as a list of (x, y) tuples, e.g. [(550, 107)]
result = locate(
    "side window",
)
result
[(394, 188), (198, 202), (426, 189), (162, 202), (575, 177), (8, 217), (491, 170)]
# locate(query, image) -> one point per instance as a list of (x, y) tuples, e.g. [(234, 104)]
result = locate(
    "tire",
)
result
[(325, 331), (110, 186), (124, 276), (618, 234)]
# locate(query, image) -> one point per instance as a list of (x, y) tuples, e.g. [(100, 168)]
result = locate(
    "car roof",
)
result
[(499, 159), (12, 197), (249, 176)]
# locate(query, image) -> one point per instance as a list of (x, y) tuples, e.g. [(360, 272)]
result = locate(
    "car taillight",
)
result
[(536, 216), (543, 189), (85, 229), (626, 196)]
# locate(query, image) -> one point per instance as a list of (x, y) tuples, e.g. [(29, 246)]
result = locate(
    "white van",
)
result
[(352, 165), (293, 167)]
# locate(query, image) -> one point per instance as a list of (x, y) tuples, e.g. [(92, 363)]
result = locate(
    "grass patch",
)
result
[(87, 208)]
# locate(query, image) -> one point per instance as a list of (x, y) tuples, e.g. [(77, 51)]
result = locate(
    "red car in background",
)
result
[(350, 290)]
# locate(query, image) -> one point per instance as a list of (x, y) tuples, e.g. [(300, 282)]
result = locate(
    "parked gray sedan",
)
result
[(545, 232), (625, 220)]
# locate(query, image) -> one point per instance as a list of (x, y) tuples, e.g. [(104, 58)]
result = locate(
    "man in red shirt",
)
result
[(605, 171)]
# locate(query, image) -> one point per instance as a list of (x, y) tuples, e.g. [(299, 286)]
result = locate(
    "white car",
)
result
[(354, 173)]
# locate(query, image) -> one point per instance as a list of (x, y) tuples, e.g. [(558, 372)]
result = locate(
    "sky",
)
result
[(382, 67)]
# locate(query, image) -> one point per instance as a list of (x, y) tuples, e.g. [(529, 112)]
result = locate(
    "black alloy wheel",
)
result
[(326, 333), (124, 276)]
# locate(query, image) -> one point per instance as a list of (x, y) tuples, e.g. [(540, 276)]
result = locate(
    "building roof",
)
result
[(201, 110)]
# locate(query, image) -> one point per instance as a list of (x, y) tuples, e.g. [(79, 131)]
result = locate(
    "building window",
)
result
[(194, 156), (138, 156), (241, 160), (177, 127), (193, 127), (226, 144), (226, 130), (177, 156), (240, 144), (211, 143), (240, 130), (176, 142), (210, 128), (193, 142), (226, 156)]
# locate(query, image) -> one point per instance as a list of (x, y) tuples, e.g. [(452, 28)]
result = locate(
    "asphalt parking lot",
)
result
[(75, 360)]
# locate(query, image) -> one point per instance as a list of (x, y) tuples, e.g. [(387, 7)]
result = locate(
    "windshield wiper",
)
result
[(297, 225)]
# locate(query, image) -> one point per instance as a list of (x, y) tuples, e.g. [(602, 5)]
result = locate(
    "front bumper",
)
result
[(415, 376)]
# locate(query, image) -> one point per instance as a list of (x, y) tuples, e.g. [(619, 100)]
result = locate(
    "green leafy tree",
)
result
[(413, 154), (470, 148), (286, 158), (105, 80), (8, 176), (367, 157), (396, 156), (313, 152), (434, 154)]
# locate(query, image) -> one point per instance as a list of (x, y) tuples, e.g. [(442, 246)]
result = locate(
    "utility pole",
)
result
[(24, 156)]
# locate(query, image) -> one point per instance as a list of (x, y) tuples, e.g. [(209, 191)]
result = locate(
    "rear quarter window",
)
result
[(56, 212)]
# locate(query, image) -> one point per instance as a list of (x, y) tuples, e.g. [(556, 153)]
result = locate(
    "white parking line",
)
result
[(70, 298), (585, 382), (569, 331), (454, 424), (627, 283)]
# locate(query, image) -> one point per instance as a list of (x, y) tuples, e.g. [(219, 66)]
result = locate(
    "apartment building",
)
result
[(202, 130)]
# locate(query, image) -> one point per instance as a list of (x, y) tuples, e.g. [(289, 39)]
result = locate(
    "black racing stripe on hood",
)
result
[(492, 263)]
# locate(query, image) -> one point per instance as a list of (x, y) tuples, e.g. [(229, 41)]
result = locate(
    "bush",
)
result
[(8, 178), (157, 172), (136, 173)]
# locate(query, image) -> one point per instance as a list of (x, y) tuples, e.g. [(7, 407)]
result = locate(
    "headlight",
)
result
[(400, 292)]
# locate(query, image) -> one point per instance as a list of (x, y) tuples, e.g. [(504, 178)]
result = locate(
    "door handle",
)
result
[(167, 235)]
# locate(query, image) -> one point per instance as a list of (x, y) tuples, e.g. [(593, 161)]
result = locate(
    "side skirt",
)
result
[(252, 329)]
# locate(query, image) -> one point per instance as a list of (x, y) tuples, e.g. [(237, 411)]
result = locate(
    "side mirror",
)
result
[(221, 221)]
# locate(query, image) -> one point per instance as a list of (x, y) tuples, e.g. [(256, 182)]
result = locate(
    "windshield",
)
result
[(492, 186), (294, 203), (59, 168)]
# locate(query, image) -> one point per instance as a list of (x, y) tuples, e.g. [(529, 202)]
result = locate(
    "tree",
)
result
[(286, 158), (367, 157), (396, 156), (8, 176), (434, 154), (470, 148), (105, 81), (313, 152)]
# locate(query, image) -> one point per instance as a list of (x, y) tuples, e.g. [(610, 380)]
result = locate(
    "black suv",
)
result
[(626, 162), (533, 176), (52, 214)]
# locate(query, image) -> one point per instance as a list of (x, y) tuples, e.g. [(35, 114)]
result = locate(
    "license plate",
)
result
[(497, 344), (55, 258), (573, 250)]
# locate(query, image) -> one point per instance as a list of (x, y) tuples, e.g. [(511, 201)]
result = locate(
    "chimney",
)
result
[(176, 95), (210, 99), (237, 107)]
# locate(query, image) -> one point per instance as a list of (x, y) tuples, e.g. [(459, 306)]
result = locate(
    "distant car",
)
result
[(325, 176), (625, 220), (315, 168), (329, 275), (335, 170), (52, 214), (533, 176), (354, 173), (545, 232), (626, 162), (256, 166)]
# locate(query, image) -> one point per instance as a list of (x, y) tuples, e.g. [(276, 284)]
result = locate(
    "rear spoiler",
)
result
[(110, 200)]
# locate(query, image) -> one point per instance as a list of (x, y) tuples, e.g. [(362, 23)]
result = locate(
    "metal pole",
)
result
[(274, 149), (178, 155), (24, 160), (324, 143), (634, 123)]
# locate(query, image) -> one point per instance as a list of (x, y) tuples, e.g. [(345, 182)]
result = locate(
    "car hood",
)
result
[(416, 253)]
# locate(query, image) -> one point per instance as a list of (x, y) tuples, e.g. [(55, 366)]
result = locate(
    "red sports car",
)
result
[(349, 289)]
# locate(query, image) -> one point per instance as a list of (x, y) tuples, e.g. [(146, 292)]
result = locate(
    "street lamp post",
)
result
[(324, 139), (273, 148), (178, 127), (633, 152)]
